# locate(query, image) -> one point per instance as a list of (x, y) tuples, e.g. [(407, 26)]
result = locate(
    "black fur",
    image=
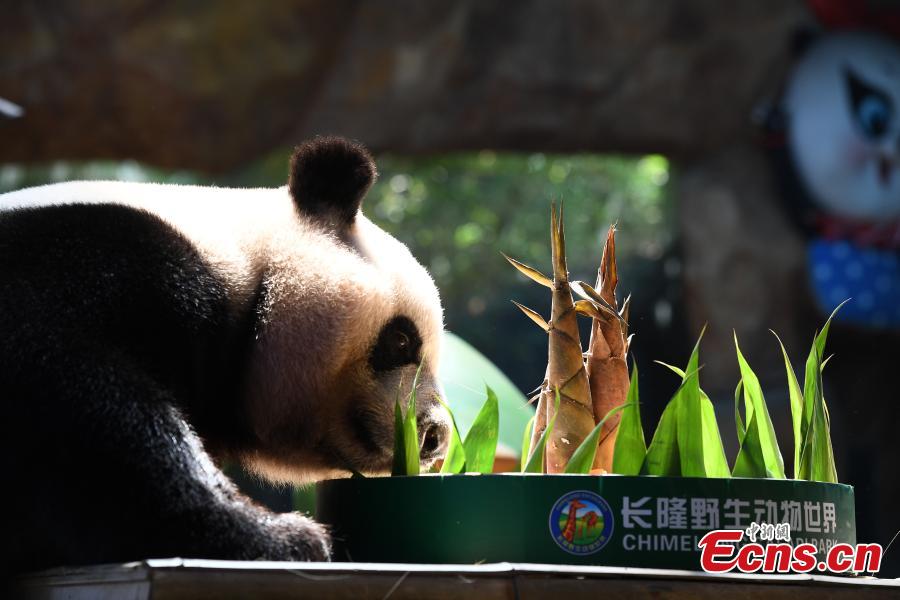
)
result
[(398, 344), (116, 341), (329, 176)]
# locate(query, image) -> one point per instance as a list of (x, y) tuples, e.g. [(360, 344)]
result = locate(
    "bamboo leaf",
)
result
[(481, 441), (812, 372), (806, 453), (689, 419), (455, 458), (818, 463), (662, 455), (824, 468), (672, 368), (714, 462), (411, 434), (535, 462), (526, 441), (399, 463), (700, 449), (796, 396), (530, 272), (664, 447), (631, 448), (738, 422), (534, 316), (756, 409), (750, 460)]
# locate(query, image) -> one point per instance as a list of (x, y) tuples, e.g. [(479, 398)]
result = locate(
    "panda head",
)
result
[(843, 124), (346, 319)]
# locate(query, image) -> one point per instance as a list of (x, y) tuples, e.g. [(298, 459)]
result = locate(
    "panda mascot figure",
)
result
[(844, 136), (148, 331), (836, 130), (834, 137)]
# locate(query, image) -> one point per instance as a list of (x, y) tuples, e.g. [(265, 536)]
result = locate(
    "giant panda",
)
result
[(149, 331)]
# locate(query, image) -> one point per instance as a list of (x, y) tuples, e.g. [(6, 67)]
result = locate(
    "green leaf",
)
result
[(689, 419), (700, 450), (582, 459), (535, 462), (662, 455), (755, 406), (817, 456), (399, 463), (526, 442), (455, 458), (672, 368), (750, 460), (714, 462), (797, 402), (813, 372), (411, 434), (738, 422), (481, 441), (406, 458), (631, 448)]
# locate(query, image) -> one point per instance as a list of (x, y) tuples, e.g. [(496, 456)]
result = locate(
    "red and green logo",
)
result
[(581, 522)]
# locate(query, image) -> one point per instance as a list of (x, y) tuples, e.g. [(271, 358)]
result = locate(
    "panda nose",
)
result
[(434, 440)]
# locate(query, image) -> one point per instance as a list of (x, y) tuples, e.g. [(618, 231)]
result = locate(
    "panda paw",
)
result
[(301, 538)]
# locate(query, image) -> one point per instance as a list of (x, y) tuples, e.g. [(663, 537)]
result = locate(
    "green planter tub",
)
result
[(618, 520)]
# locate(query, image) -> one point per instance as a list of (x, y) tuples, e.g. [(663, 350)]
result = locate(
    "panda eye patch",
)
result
[(871, 108), (401, 341), (398, 344)]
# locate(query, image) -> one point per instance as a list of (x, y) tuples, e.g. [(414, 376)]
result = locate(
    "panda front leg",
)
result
[(220, 522), (132, 481)]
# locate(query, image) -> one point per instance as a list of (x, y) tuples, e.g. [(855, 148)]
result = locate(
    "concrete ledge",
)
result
[(175, 578)]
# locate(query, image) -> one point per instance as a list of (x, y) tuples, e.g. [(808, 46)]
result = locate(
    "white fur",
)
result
[(329, 292), (243, 231)]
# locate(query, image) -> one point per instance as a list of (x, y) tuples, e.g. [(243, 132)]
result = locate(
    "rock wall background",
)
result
[(678, 78), (212, 86)]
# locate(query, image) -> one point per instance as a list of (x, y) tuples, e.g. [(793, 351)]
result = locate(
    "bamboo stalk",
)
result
[(565, 363), (606, 358), (540, 423)]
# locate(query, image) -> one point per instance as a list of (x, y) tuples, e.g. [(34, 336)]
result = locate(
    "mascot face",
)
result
[(843, 106)]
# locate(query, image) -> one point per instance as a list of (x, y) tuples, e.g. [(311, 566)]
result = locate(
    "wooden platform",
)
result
[(173, 578)]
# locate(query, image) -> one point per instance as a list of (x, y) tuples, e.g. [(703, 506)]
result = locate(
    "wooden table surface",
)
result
[(177, 578)]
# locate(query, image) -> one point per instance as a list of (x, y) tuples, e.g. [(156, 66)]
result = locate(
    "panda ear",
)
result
[(329, 178)]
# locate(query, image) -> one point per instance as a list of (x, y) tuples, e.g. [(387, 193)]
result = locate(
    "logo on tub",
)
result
[(581, 522)]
